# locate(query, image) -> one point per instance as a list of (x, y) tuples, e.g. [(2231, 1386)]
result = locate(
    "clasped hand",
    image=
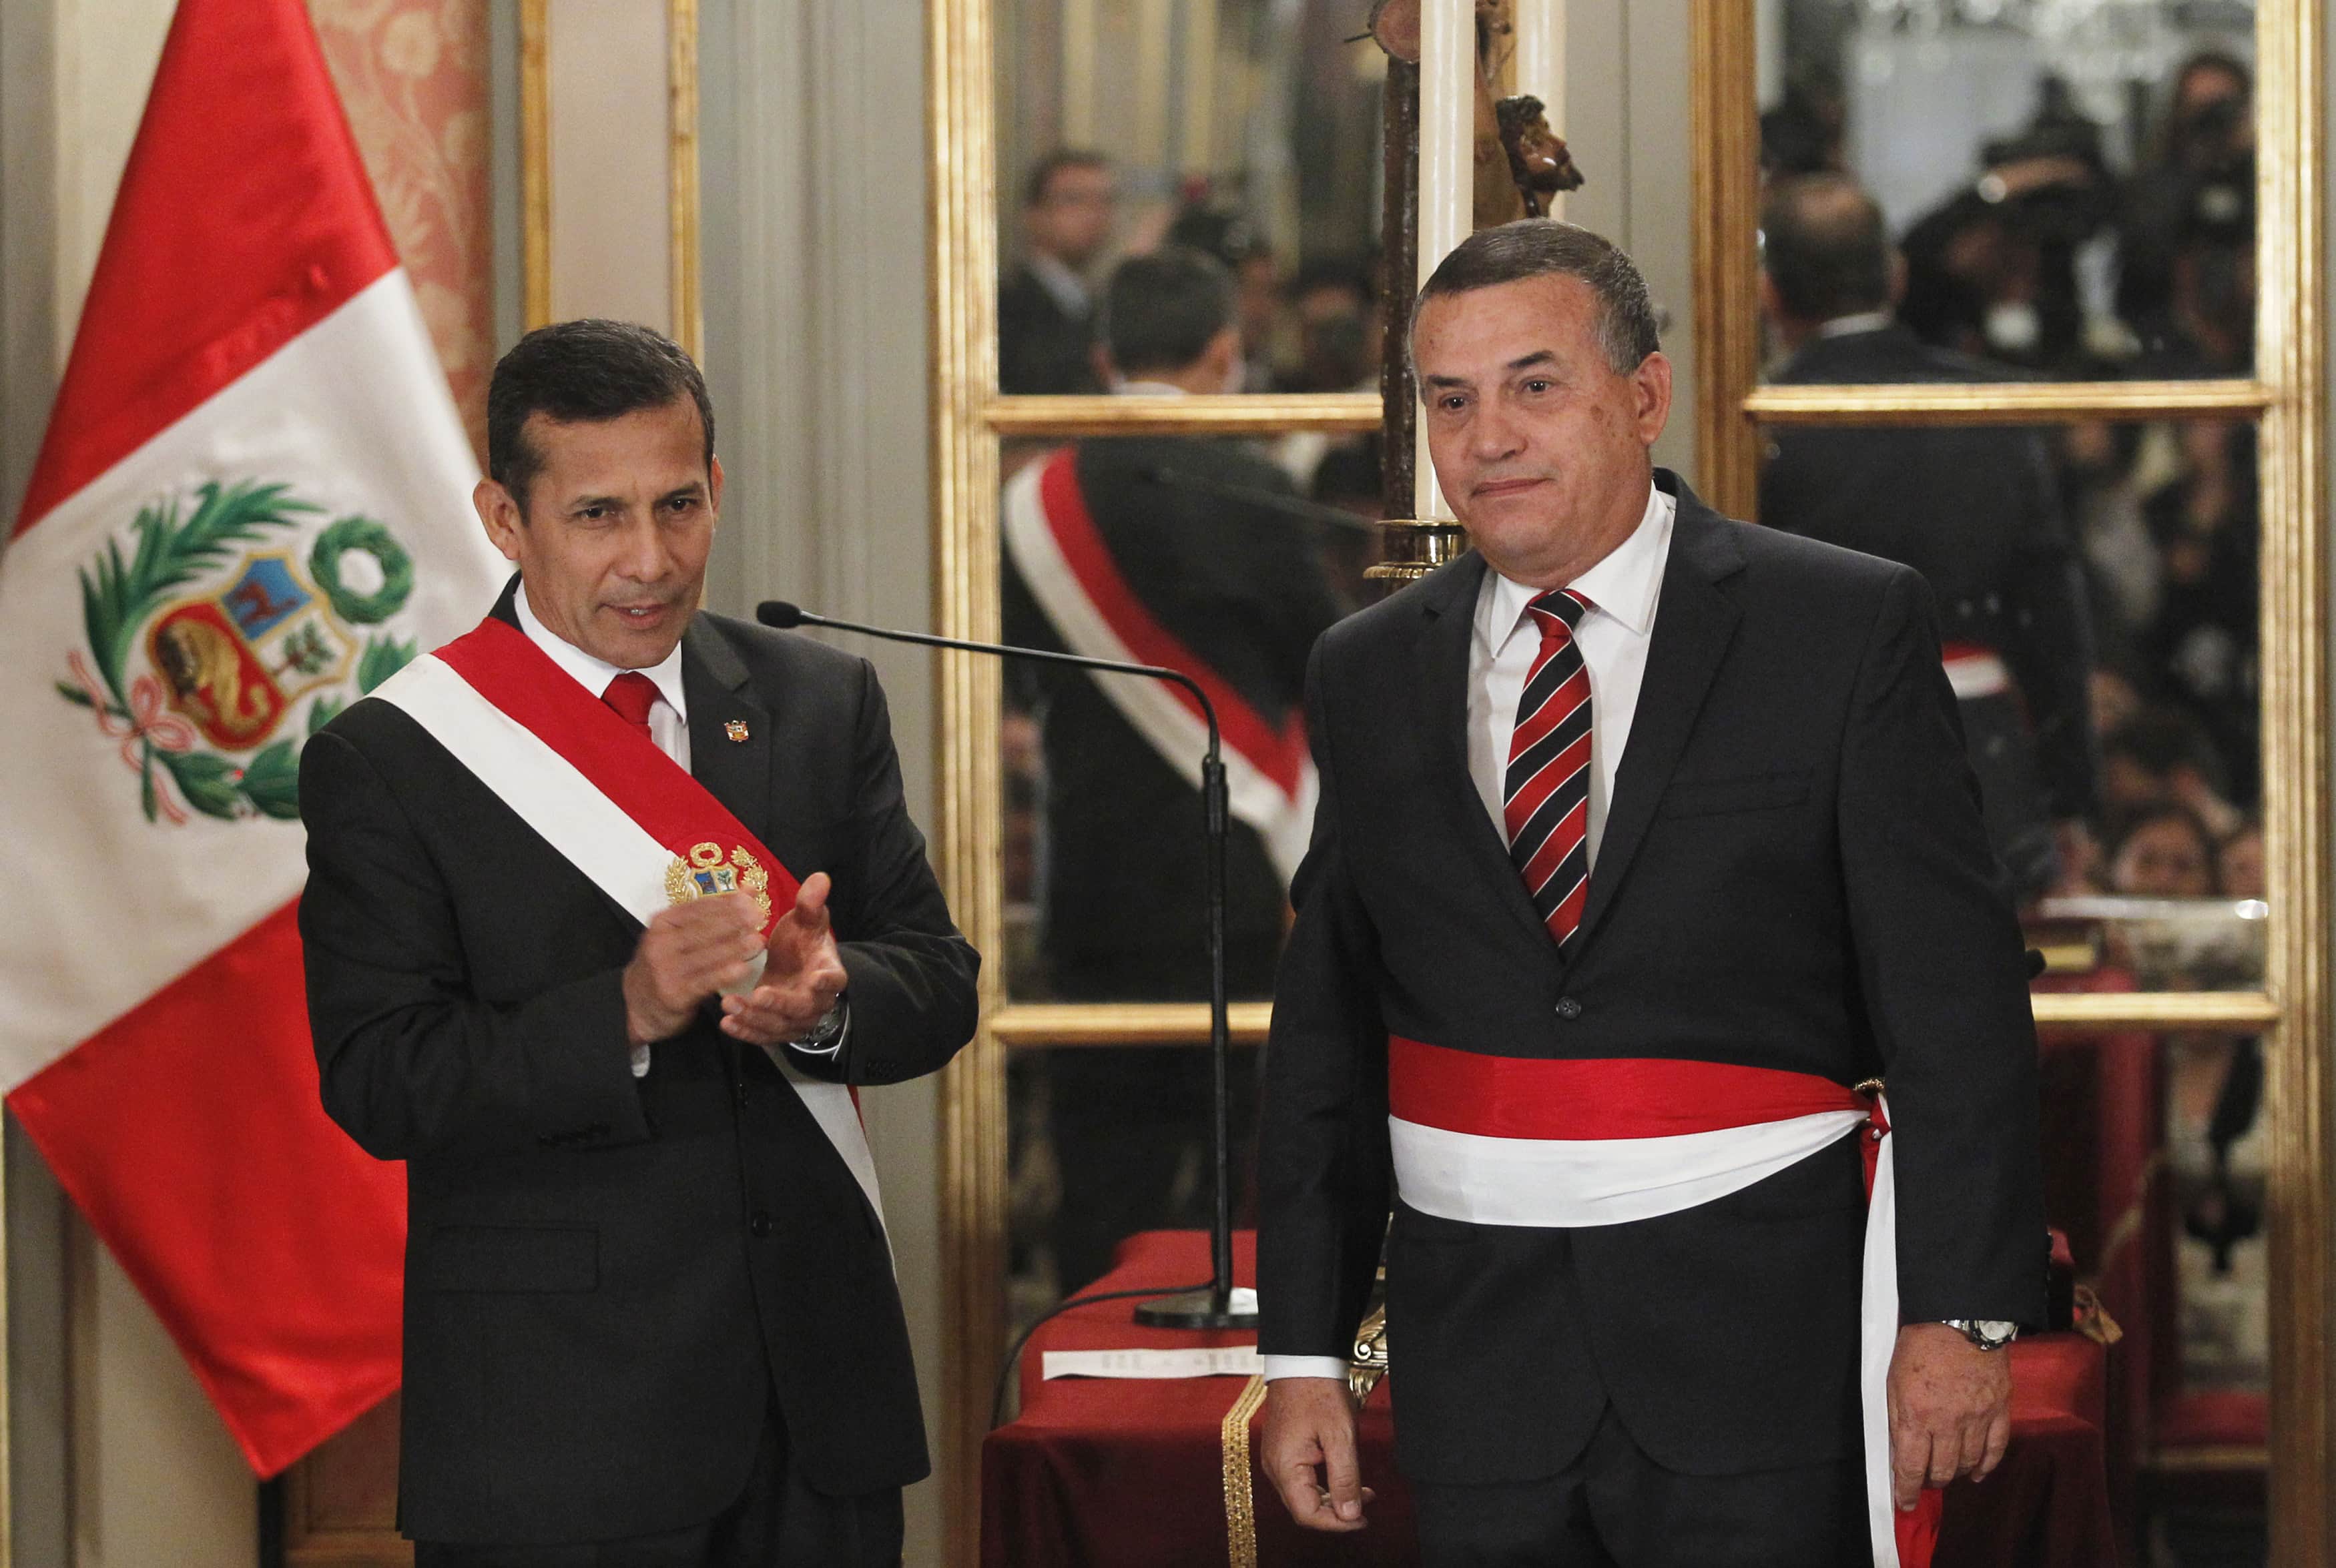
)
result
[(693, 951)]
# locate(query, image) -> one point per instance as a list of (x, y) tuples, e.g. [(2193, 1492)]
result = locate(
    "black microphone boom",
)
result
[(1220, 1305)]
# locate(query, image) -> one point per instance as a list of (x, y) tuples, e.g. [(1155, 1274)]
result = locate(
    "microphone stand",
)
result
[(1220, 1305)]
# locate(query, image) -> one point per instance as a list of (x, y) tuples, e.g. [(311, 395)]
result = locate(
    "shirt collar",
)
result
[(594, 674), (1625, 584), (1850, 325), (1149, 389)]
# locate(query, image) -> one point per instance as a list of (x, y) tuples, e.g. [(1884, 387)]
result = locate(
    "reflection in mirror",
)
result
[(1247, 130), (2067, 188), (1223, 557), (2155, 1163), (2096, 587), (1107, 1141)]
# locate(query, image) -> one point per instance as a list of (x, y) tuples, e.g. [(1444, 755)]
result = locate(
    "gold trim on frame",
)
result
[(1045, 1026), (1234, 415), (681, 199), (962, 191), (682, 285), (535, 161), (1724, 126), (1997, 403), (1031, 1026)]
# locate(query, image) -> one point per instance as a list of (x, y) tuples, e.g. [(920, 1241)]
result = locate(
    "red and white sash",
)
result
[(1056, 545), (611, 801), (1513, 1141)]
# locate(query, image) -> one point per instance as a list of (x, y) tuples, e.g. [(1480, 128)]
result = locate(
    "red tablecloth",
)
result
[(1110, 1473)]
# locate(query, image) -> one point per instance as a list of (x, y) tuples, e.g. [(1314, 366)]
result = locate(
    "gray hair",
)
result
[(1546, 246)]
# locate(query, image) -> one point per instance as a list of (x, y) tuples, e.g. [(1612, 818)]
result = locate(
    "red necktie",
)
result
[(632, 694), (1545, 793)]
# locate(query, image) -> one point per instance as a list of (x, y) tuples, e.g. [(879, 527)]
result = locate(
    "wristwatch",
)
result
[(822, 1035), (1987, 1333)]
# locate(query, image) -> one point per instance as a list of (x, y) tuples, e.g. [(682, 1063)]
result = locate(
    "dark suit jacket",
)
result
[(1244, 589), (1976, 510), (606, 1278), (1041, 347), (1792, 875)]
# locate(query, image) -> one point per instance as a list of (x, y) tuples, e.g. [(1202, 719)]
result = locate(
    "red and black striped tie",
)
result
[(1546, 791)]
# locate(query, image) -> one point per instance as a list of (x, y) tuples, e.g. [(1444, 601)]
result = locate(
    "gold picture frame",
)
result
[(686, 312)]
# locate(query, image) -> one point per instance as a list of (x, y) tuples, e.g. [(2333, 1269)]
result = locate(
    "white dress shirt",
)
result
[(1623, 589), (669, 727)]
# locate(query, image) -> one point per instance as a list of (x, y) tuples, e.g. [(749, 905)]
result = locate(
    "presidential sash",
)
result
[(612, 802), (1501, 1140), (1056, 545)]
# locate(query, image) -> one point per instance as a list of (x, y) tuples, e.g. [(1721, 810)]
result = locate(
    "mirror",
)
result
[(1224, 555), (2067, 189), (2095, 586), (1246, 129)]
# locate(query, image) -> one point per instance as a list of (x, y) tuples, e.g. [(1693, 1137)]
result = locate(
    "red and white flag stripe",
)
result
[(1497, 1141), (251, 501)]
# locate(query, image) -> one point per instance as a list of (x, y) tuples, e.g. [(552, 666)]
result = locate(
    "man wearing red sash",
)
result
[(611, 903), (1644, 838)]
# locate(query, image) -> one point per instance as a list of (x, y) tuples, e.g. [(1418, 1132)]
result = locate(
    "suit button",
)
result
[(760, 1226), (1567, 1009)]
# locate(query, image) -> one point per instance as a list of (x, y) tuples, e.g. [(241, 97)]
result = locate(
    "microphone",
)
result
[(1259, 496), (1220, 1305)]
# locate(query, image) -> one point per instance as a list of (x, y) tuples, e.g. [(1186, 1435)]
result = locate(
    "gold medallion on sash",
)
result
[(707, 874)]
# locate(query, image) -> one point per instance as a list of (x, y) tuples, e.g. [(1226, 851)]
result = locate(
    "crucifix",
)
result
[(1461, 154)]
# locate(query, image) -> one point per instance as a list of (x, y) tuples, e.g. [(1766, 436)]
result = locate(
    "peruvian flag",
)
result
[(252, 506)]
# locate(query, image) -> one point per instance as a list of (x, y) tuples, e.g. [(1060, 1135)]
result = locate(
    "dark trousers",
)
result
[(778, 1522), (1614, 1507)]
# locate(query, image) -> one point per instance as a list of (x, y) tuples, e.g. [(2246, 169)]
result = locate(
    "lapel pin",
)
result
[(736, 730)]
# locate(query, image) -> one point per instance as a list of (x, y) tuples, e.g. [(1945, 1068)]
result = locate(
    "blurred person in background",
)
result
[(1136, 536), (1046, 308), (1974, 510)]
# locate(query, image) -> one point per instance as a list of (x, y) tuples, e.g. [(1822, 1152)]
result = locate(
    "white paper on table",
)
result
[(1209, 1361)]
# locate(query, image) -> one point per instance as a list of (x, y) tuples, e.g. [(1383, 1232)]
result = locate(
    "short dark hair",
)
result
[(1824, 246), (587, 371), (1043, 172), (1546, 247), (1160, 311)]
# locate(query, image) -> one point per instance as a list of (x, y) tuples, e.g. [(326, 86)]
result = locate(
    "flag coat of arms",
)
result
[(251, 507)]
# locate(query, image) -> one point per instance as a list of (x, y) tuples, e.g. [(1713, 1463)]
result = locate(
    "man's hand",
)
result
[(1309, 1452), (1949, 1409), (802, 979), (687, 953)]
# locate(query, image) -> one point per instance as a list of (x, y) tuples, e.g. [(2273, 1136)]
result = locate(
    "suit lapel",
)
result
[(1449, 613), (1694, 623), (736, 773)]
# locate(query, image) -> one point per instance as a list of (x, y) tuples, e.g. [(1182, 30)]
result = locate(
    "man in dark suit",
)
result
[(1239, 591), (650, 1315), (1631, 802), (1045, 315), (1976, 510)]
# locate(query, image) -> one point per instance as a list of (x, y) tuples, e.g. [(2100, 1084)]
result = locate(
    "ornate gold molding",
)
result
[(1032, 1026), (535, 161), (681, 199), (1239, 414), (961, 190), (1725, 131), (2016, 403), (2290, 359)]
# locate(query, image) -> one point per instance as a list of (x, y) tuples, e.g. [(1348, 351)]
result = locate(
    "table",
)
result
[(1108, 1473)]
